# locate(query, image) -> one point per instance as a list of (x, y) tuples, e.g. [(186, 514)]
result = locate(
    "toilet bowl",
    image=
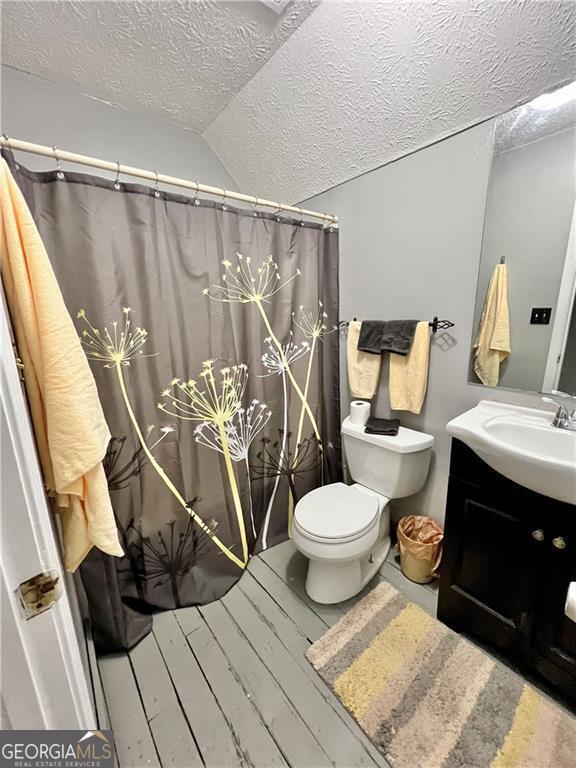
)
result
[(344, 530)]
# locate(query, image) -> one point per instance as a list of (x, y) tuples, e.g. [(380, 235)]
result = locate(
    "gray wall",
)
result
[(528, 218), (410, 241), (37, 110)]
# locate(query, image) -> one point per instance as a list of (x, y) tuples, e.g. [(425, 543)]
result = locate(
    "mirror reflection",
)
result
[(524, 321)]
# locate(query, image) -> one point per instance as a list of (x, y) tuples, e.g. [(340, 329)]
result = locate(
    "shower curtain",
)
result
[(212, 334)]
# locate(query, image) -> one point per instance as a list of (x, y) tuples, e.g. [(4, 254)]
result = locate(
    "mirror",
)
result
[(524, 333)]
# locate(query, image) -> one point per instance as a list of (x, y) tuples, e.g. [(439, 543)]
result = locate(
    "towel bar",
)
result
[(435, 324)]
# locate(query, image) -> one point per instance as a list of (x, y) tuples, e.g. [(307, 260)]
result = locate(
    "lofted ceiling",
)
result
[(296, 102), (181, 59), (362, 83)]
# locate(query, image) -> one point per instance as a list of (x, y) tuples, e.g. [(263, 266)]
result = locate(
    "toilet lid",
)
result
[(336, 511)]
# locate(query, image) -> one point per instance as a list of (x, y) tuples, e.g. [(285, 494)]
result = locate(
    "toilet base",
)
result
[(328, 582)]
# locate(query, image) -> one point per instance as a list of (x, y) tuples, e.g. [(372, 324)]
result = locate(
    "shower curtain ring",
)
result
[(59, 172), (156, 190), (117, 179), (277, 212), (196, 200), (301, 217), (254, 211), (5, 140), (224, 206)]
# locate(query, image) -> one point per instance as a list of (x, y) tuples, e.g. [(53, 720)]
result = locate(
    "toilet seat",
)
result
[(336, 513)]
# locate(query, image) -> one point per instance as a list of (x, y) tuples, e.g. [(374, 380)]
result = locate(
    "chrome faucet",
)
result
[(564, 418)]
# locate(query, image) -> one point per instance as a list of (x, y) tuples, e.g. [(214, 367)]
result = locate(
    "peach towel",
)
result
[(493, 342), (363, 367), (408, 375), (71, 433)]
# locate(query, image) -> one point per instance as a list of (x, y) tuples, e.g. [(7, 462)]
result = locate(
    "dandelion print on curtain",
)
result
[(212, 336)]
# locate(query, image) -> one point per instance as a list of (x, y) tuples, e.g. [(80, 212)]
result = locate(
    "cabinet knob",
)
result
[(538, 534), (559, 542)]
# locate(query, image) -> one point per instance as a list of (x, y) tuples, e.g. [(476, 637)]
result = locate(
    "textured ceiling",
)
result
[(298, 102), (542, 117), (362, 83), (177, 58)]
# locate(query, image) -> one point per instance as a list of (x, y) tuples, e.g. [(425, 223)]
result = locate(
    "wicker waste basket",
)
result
[(420, 544)]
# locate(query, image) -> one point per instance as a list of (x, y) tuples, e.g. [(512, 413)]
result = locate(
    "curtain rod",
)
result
[(127, 170)]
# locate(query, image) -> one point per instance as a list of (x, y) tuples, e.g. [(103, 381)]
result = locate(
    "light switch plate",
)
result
[(540, 315)]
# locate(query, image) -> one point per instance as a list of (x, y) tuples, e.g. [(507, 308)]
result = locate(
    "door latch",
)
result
[(39, 593)]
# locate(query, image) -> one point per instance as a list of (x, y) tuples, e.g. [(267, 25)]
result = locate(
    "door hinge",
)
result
[(39, 593), (19, 363)]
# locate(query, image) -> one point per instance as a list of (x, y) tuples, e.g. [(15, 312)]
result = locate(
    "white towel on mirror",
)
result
[(492, 344)]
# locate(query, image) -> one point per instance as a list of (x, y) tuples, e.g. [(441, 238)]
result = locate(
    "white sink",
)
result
[(522, 445)]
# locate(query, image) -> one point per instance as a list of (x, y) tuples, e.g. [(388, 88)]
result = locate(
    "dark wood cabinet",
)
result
[(509, 557)]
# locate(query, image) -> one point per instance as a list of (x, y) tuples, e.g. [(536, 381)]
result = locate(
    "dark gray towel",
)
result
[(378, 336), (376, 426), (370, 336)]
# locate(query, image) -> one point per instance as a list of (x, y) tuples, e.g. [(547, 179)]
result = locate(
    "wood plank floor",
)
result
[(228, 684)]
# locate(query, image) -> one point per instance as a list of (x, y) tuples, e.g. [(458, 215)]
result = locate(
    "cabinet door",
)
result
[(555, 633), (490, 566)]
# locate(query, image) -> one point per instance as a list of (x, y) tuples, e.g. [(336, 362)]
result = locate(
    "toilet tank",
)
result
[(393, 466)]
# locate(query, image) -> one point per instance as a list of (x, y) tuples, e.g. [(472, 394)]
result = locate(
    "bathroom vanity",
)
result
[(509, 557), (510, 531)]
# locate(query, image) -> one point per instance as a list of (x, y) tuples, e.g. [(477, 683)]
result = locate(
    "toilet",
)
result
[(344, 530)]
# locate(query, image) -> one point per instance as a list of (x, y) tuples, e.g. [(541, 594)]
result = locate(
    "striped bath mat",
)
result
[(427, 698)]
